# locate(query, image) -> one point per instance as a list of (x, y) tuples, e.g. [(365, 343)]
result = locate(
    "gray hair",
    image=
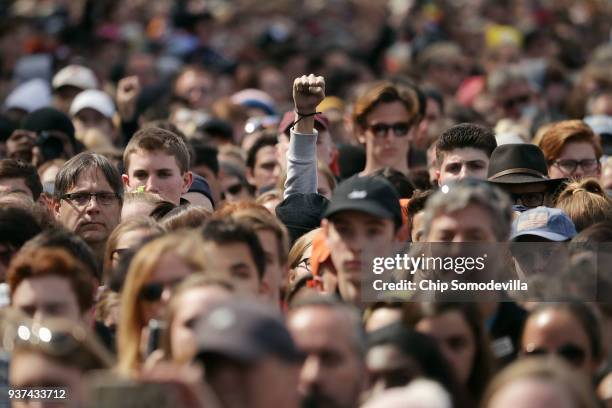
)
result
[(457, 196), (69, 174), (349, 312)]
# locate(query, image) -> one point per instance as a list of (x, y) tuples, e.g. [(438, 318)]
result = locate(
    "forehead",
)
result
[(472, 216), (388, 112), (578, 150), (141, 159), (42, 289), (464, 154), (91, 178), (266, 153)]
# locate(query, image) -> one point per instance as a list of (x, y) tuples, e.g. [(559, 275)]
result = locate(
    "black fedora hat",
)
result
[(519, 164)]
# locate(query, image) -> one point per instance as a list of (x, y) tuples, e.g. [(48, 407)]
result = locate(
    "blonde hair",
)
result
[(548, 369), (586, 203), (300, 246), (187, 246)]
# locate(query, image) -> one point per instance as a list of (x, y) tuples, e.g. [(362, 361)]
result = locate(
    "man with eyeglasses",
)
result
[(88, 199), (520, 170)]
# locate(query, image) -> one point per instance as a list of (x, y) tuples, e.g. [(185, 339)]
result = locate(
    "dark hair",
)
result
[(424, 351), (17, 226), (69, 174), (258, 145), (229, 231), (205, 155), (387, 92), (482, 369), (10, 168), (161, 209), (417, 202), (585, 316), (402, 184), (600, 232), (465, 135), (68, 241), (431, 93)]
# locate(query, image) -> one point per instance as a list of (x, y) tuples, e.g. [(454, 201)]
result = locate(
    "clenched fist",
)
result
[(308, 92)]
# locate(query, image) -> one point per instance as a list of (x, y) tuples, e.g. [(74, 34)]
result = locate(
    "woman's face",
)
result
[(127, 240), (455, 339), (558, 332), (191, 305), (303, 267), (577, 160), (156, 290)]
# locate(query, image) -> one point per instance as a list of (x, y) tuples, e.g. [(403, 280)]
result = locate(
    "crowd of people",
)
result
[(192, 191)]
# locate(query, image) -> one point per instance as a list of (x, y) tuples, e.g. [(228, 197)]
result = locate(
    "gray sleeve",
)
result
[(301, 164)]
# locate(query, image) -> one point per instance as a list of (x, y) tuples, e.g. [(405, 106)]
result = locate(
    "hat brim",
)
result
[(525, 179), (231, 348), (552, 236), (367, 207)]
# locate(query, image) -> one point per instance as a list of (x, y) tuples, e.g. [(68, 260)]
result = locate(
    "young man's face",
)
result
[(391, 148), (459, 164), (47, 296), (275, 271), (233, 262), (471, 224), (159, 173), (348, 235), (266, 171), (95, 219)]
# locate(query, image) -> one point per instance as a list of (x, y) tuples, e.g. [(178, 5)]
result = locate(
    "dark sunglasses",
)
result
[(529, 200), (235, 189), (400, 129), (518, 100), (571, 353), (152, 292)]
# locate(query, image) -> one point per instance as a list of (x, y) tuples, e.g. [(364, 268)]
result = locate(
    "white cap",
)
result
[(75, 75), (29, 96), (94, 99)]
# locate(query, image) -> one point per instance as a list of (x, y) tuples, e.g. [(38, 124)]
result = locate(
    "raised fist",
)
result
[(128, 90), (308, 92)]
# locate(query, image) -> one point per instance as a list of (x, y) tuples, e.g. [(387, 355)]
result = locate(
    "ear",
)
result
[(361, 137), (126, 180), (187, 180), (437, 173), (55, 207)]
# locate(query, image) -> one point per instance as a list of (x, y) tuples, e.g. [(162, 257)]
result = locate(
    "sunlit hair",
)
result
[(186, 246), (193, 282), (586, 203), (544, 369), (385, 92), (132, 224), (567, 131), (185, 217)]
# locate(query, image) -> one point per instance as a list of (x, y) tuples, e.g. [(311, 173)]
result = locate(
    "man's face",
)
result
[(332, 375), (89, 118), (512, 99), (47, 296), (196, 88), (212, 179), (95, 219), (471, 224), (275, 271), (267, 169), (159, 173), (577, 161), (233, 261), (390, 148), (325, 147), (348, 235), (29, 369), (459, 164), (15, 186), (530, 195), (19, 145)]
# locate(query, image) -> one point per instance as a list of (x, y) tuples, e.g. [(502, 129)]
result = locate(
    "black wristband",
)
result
[(302, 116)]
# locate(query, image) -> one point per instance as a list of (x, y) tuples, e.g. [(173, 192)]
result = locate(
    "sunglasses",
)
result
[(529, 200), (571, 353), (152, 292), (400, 129)]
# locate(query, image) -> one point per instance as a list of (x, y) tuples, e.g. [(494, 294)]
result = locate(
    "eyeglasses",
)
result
[(572, 353), (530, 200), (83, 198), (152, 292), (400, 129), (304, 263), (518, 100), (569, 166)]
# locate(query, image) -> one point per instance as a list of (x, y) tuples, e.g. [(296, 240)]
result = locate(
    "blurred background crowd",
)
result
[(184, 210)]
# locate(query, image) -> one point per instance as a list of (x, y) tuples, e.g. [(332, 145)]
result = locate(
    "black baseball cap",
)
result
[(369, 194), (245, 331)]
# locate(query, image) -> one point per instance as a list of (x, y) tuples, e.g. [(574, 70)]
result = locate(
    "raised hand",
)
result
[(308, 92)]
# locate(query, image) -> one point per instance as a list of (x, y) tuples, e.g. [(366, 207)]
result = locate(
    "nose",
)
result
[(151, 185), (311, 371), (578, 173), (93, 205)]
